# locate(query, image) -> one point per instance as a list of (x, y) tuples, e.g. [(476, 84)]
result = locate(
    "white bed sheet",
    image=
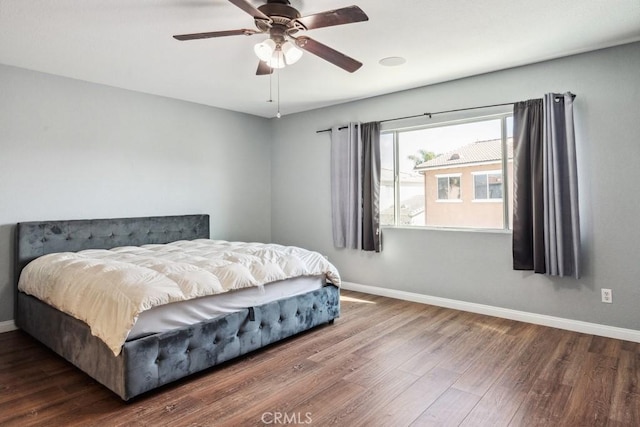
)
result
[(178, 314)]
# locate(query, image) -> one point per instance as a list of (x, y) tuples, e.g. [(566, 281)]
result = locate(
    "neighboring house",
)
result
[(411, 210), (464, 187)]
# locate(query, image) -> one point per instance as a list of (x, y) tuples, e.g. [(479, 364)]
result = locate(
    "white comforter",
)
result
[(108, 289)]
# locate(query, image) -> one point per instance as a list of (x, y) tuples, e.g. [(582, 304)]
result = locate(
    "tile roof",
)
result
[(477, 152)]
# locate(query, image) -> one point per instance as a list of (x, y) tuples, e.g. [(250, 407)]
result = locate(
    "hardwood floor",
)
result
[(385, 362)]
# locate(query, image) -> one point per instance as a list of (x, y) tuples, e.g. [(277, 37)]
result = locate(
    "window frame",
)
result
[(449, 176), (503, 116), (487, 173)]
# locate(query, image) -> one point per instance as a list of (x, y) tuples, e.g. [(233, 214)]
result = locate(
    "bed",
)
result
[(153, 359)]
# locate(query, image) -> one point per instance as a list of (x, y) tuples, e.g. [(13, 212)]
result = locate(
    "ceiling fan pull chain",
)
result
[(270, 88), (278, 115)]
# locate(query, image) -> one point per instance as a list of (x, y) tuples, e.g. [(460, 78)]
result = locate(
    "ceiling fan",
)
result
[(282, 23)]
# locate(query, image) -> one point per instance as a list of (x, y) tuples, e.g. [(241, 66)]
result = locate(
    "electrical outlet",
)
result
[(607, 295)]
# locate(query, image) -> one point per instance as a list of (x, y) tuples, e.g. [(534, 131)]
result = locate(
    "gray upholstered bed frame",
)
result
[(152, 361)]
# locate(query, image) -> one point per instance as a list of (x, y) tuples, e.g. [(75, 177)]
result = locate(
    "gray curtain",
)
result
[(345, 189), (528, 234), (355, 186), (371, 187), (546, 222), (561, 216)]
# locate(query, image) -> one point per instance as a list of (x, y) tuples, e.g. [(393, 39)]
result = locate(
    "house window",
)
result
[(487, 185), (438, 175), (449, 187)]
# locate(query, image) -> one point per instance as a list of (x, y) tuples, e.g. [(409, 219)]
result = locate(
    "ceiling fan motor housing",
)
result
[(282, 16)]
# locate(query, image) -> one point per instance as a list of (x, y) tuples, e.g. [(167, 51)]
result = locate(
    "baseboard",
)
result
[(505, 313), (7, 326)]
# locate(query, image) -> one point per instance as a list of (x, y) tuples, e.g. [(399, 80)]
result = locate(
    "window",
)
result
[(455, 174), (448, 187), (487, 185)]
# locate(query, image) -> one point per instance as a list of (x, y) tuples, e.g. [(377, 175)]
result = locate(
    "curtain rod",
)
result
[(433, 114), (428, 114)]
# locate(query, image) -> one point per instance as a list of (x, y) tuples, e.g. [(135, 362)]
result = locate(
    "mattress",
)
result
[(110, 289), (178, 314)]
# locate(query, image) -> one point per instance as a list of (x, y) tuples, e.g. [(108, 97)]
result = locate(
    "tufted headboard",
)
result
[(34, 239)]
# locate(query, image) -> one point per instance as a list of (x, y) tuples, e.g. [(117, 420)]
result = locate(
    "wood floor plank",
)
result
[(625, 403), (625, 410), (394, 356), (321, 406), (628, 373), (633, 347), (356, 411), (590, 401), (449, 409), (496, 408), (442, 347), (383, 362), (564, 365), (361, 340), (230, 405), (287, 398), (480, 341), (400, 345), (409, 404), (605, 346), (544, 405), (489, 364), (525, 369)]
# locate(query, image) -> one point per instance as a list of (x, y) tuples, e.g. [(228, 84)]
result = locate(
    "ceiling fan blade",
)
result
[(346, 15), (263, 69), (248, 7), (328, 54), (195, 36)]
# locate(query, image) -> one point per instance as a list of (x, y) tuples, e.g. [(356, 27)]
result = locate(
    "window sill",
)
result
[(448, 229)]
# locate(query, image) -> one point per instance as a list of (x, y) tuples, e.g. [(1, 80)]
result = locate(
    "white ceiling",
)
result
[(128, 44)]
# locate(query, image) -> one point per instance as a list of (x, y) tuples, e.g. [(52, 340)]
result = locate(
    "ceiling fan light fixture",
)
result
[(291, 53), (277, 59), (265, 50)]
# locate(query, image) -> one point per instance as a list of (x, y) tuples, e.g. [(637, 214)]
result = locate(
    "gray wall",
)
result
[(70, 150), (476, 266)]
